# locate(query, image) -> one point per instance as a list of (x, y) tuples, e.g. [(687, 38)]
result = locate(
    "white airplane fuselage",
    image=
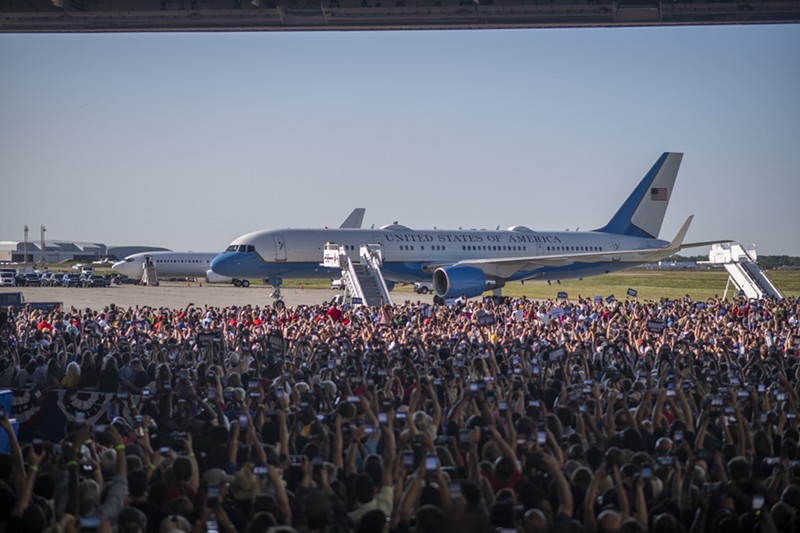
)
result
[(168, 264), (412, 255)]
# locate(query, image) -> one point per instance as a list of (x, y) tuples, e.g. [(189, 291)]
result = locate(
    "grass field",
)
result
[(650, 285)]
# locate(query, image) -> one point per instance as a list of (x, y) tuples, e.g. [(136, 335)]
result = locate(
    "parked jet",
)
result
[(174, 265), (469, 262)]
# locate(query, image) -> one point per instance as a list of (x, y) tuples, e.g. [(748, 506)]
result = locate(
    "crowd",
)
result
[(495, 415)]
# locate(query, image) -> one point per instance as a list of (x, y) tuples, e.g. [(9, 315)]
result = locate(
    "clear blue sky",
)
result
[(189, 140)]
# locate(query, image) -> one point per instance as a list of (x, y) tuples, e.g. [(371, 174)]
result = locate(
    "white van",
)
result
[(7, 279)]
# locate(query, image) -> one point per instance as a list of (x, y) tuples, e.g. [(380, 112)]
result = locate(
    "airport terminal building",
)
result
[(56, 251)]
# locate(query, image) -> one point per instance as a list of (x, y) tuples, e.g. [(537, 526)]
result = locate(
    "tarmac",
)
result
[(180, 294)]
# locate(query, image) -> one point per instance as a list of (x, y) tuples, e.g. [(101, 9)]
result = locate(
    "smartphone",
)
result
[(678, 436), (279, 394), (212, 394), (502, 406), (80, 418), (455, 489), (90, 522), (145, 392), (431, 463), (665, 460), (401, 415), (296, 459), (408, 460), (758, 502), (99, 429), (647, 471), (260, 470), (382, 418), (212, 497), (712, 488), (541, 437), (352, 399), (243, 421), (38, 445)]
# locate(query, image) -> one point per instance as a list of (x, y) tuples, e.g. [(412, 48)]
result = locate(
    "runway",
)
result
[(179, 295)]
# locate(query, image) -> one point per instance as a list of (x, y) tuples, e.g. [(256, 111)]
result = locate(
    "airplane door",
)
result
[(615, 246), (280, 248)]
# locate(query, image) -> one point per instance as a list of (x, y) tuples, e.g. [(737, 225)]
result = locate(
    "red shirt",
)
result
[(334, 314)]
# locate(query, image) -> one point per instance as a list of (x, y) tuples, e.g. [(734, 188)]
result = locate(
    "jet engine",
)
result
[(455, 281)]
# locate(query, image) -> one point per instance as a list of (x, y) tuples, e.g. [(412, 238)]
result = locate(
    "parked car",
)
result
[(95, 280), (122, 279), (7, 279), (31, 280), (72, 280), (337, 284), (423, 287), (56, 279)]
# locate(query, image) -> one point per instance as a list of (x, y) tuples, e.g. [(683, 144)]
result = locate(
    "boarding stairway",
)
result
[(363, 280), (149, 274), (743, 270)]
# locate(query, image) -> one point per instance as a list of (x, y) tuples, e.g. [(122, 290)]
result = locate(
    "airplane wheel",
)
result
[(237, 283), (279, 304), (423, 290), (245, 283)]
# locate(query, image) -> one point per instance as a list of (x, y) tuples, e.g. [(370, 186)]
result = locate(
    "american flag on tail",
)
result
[(658, 194)]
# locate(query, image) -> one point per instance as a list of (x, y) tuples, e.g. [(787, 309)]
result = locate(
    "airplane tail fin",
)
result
[(643, 212), (355, 219)]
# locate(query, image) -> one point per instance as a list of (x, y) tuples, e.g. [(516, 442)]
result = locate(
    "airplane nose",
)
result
[(222, 264), (117, 267)]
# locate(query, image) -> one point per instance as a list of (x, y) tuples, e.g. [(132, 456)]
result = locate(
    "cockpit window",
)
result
[(128, 259), (241, 248)]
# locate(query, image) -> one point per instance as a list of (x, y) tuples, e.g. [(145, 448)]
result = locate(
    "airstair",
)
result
[(743, 270), (150, 274), (363, 280)]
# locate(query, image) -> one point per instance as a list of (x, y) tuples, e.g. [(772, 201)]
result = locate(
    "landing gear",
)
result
[(241, 283)]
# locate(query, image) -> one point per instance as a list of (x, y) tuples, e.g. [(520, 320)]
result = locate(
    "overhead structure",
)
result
[(338, 15), (744, 273), (363, 281)]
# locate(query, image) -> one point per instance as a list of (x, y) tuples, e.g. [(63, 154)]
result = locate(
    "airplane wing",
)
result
[(506, 267), (355, 219)]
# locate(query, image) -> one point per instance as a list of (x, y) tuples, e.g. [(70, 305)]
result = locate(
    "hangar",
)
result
[(57, 251), (338, 15)]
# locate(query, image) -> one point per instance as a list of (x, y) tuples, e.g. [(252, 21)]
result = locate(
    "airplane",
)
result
[(175, 265), (197, 264), (469, 262)]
